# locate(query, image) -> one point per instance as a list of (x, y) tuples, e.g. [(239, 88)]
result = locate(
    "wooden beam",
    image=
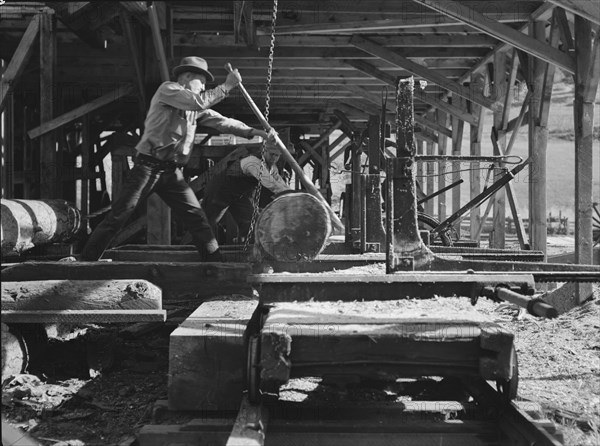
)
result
[(80, 111), (207, 356), (587, 9), (430, 177), (49, 184), (419, 70), (328, 41), (565, 30), (442, 144), (406, 22), (436, 126), (537, 149), (126, 23), (503, 32), (17, 63), (82, 316), (542, 13), (457, 137), (586, 86), (158, 44), (476, 132), (376, 73), (501, 84)]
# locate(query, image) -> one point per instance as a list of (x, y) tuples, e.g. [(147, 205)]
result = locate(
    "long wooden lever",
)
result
[(287, 156)]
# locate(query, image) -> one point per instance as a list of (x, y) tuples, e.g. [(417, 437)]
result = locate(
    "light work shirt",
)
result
[(269, 178), (171, 122)]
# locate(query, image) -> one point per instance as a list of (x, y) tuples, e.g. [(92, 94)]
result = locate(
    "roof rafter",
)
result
[(502, 32), (455, 110), (583, 8), (419, 70)]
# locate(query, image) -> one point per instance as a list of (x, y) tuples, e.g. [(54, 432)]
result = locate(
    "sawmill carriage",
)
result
[(333, 287)]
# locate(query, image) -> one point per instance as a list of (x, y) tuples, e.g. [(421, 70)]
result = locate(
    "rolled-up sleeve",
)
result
[(269, 179), (217, 121), (175, 95)]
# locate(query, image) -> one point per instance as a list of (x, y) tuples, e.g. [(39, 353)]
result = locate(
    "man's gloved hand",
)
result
[(234, 78), (271, 138)]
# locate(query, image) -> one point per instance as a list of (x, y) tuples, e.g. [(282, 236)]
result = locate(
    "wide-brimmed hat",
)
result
[(195, 65)]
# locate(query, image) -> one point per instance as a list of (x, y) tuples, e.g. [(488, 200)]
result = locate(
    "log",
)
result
[(81, 295), (27, 223), (293, 227), (14, 353)]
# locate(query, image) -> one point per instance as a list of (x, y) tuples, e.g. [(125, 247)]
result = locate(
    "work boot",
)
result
[(216, 256)]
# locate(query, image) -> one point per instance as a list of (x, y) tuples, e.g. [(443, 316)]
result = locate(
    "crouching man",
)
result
[(234, 188)]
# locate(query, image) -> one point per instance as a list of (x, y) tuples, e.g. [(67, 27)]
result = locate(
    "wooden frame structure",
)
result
[(72, 71)]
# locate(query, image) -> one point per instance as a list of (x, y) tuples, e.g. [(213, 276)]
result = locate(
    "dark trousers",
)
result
[(169, 184), (241, 210)]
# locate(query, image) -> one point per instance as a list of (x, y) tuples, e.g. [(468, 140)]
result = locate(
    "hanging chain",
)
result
[(257, 191)]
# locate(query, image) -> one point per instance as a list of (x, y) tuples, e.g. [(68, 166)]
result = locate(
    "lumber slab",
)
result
[(282, 287), (207, 356), (204, 279), (55, 295), (382, 340), (82, 316)]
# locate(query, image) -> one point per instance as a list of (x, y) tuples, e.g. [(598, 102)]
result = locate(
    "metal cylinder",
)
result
[(535, 306), (28, 223)]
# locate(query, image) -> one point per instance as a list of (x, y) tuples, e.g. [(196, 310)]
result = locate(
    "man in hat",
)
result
[(233, 189), (165, 147)]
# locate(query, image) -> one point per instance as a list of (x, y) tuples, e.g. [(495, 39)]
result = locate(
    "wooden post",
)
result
[(587, 74), (7, 140), (48, 162), (442, 165), (86, 150), (158, 213), (476, 132), (126, 23), (429, 182), (458, 126), (500, 86), (537, 148)]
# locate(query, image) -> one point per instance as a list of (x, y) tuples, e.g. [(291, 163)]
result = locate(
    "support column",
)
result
[(48, 161), (7, 141), (429, 181), (500, 87), (442, 165), (537, 147), (476, 133), (86, 151), (587, 73), (458, 126), (158, 213)]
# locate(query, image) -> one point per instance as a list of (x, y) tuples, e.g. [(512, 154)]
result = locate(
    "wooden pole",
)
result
[(476, 132), (48, 160), (458, 126), (86, 150), (442, 139), (501, 84), (430, 180), (158, 213), (288, 157), (587, 74), (537, 148)]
